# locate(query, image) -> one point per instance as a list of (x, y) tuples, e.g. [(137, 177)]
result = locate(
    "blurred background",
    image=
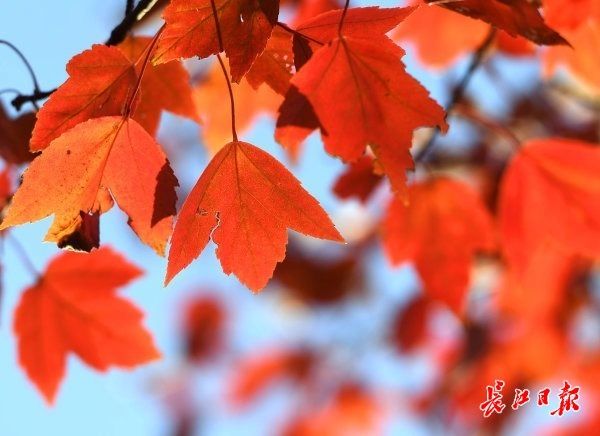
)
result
[(340, 342)]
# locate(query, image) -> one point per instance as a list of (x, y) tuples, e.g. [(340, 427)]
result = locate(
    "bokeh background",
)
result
[(352, 335)]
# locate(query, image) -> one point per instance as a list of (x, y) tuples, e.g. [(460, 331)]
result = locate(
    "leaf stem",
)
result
[(9, 90), (217, 25), (149, 49), (459, 91), (466, 112), (231, 99), (117, 35), (224, 69), (343, 18), (296, 32)]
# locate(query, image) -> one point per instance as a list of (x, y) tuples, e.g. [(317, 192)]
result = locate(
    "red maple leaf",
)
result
[(74, 308), (245, 201), (440, 231)]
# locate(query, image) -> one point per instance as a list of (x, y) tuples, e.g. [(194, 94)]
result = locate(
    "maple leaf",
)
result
[(358, 180), (296, 120), (352, 411), (409, 328), (517, 17), (358, 22), (244, 26), (570, 14), (203, 328), (440, 231), (102, 79), (534, 293), (362, 96), (72, 175), (515, 46), (554, 174), (6, 187), (163, 87), (310, 8), (14, 137), (244, 201), (315, 280), (456, 35), (73, 308), (275, 65), (583, 57), (257, 372)]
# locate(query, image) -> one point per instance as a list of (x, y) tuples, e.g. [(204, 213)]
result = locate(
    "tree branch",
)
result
[(117, 35), (459, 91), (129, 7)]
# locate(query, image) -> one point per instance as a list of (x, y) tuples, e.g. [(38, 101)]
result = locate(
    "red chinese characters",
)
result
[(493, 403)]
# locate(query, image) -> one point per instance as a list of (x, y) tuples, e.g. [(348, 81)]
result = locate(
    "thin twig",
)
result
[(10, 90), (343, 17), (129, 7), (36, 85), (231, 99), (33, 98), (459, 91), (136, 89), (296, 32), (117, 35), (466, 112)]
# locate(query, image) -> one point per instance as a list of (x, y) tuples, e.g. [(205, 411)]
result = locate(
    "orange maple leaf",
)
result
[(358, 23), (14, 137), (582, 59), (358, 180), (550, 198), (517, 17), (455, 35), (73, 308), (86, 95), (102, 80), (244, 201), (409, 327), (163, 87), (73, 174), (352, 411), (259, 371), (244, 27), (275, 65), (570, 14), (362, 95), (440, 231)]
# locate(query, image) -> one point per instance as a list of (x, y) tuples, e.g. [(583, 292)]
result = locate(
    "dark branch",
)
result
[(33, 98), (129, 7), (117, 35), (459, 91), (18, 52)]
